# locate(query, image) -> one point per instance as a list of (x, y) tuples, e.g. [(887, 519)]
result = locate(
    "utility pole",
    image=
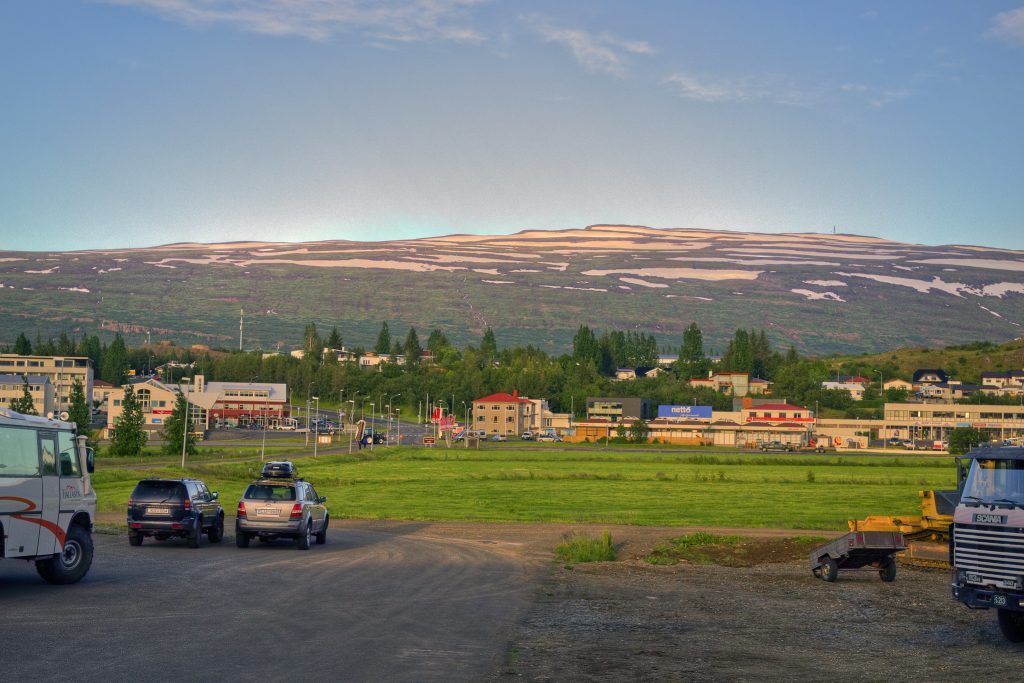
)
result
[(241, 326)]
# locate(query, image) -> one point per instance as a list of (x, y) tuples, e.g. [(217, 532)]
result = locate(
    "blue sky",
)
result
[(143, 122)]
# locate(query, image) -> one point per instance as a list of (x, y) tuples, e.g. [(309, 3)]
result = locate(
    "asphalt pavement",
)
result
[(367, 606)]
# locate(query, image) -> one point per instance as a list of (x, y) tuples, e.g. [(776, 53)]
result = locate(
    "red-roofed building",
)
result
[(501, 413)]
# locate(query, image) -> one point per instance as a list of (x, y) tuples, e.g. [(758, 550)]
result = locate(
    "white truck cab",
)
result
[(987, 537), (47, 503)]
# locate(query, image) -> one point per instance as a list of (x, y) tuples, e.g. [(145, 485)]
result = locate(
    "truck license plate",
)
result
[(158, 511), (973, 578), (266, 511), (999, 600)]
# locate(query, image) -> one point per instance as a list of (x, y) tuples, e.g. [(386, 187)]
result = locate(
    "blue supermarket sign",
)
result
[(686, 412)]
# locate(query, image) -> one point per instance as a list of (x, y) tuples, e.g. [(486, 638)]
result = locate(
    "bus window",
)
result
[(19, 452), (48, 449), (68, 455)]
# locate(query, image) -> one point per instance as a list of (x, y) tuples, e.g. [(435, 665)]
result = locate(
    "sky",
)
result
[(131, 123)]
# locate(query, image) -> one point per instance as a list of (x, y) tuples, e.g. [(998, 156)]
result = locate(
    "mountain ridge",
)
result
[(821, 292)]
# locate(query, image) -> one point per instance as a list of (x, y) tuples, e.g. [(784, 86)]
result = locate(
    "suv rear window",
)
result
[(269, 492), (157, 490)]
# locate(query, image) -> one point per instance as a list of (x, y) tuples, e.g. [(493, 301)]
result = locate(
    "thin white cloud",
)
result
[(875, 96), (601, 52), (1009, 27), (386, 20), (770, 88)]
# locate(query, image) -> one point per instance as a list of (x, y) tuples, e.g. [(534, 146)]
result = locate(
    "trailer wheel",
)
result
[(829, 569), (1012, 625), (888, 571)]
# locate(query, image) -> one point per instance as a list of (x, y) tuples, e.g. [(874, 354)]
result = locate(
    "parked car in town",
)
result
[(777, 446), (166, 508), (527, 436), (549, 437), (275, 507), (499, 437)]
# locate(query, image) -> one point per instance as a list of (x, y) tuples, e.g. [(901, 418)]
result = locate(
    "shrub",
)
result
[(577, 548)]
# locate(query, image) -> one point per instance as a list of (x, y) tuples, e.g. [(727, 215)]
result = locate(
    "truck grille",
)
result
[(994, 553)]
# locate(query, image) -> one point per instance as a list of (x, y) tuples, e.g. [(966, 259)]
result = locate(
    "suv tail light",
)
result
[(131, 503), (296, 511), (188, 504), (241, 510)]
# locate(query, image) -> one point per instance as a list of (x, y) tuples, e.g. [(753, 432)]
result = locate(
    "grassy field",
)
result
[(812, 492)]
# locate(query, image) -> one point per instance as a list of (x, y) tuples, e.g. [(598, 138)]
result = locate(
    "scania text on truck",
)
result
[(986, 545), (47, 503)]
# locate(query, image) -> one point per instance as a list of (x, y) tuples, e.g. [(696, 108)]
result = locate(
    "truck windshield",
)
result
[(991, 480)]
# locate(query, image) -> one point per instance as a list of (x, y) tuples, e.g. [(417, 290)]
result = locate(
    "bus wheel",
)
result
[(74, 560)]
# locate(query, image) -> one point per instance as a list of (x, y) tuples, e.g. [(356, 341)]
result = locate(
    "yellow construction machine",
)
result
[(927, 534)]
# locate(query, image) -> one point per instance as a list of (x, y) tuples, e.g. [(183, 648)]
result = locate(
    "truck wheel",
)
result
[(321, 537), (888, 571), (1012, 625), (134, 538), (196, 533), (829, 569), (74, 560)]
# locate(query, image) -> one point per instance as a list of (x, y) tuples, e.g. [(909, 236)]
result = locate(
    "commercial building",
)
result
[(12, 388), (618, 409), (227, 404), (62, 371)]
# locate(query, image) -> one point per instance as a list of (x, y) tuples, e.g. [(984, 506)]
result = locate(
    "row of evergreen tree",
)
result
[(460, 375)]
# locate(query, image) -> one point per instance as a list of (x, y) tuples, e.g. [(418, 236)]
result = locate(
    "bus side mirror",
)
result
[(90, 460)]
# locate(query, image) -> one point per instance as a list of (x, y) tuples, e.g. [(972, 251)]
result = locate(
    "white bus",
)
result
[(47, 503)]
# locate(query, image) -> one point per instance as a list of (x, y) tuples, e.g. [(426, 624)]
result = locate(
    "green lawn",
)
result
[(786, 491)]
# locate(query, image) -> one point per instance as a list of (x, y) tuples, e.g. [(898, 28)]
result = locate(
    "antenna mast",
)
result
[(241, 326)]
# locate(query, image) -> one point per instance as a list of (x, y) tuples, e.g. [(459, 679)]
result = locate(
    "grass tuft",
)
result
[(578, 548)]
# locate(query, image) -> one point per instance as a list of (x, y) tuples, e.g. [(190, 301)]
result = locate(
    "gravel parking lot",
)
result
[(368, 606), (469, 602)]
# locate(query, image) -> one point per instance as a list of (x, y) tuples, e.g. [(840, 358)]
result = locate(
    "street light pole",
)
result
[(389, 413), (352, 433), (184, 426), (373, 432), (398, 424), (316, 439), (309, 390)]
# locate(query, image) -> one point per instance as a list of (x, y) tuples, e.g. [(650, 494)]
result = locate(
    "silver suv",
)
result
[(281, 508)]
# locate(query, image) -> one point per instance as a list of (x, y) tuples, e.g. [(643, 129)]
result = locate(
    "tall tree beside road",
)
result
[(692, 362), (311, 343), (115, 362), (585, 346), (489, 345), (413, 350), (639, 431), (24, 404), (963, 439), (437, 341), (173, 431), (22, 346), (78, 410), (334, 340), (383, 345), (129, 437)]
